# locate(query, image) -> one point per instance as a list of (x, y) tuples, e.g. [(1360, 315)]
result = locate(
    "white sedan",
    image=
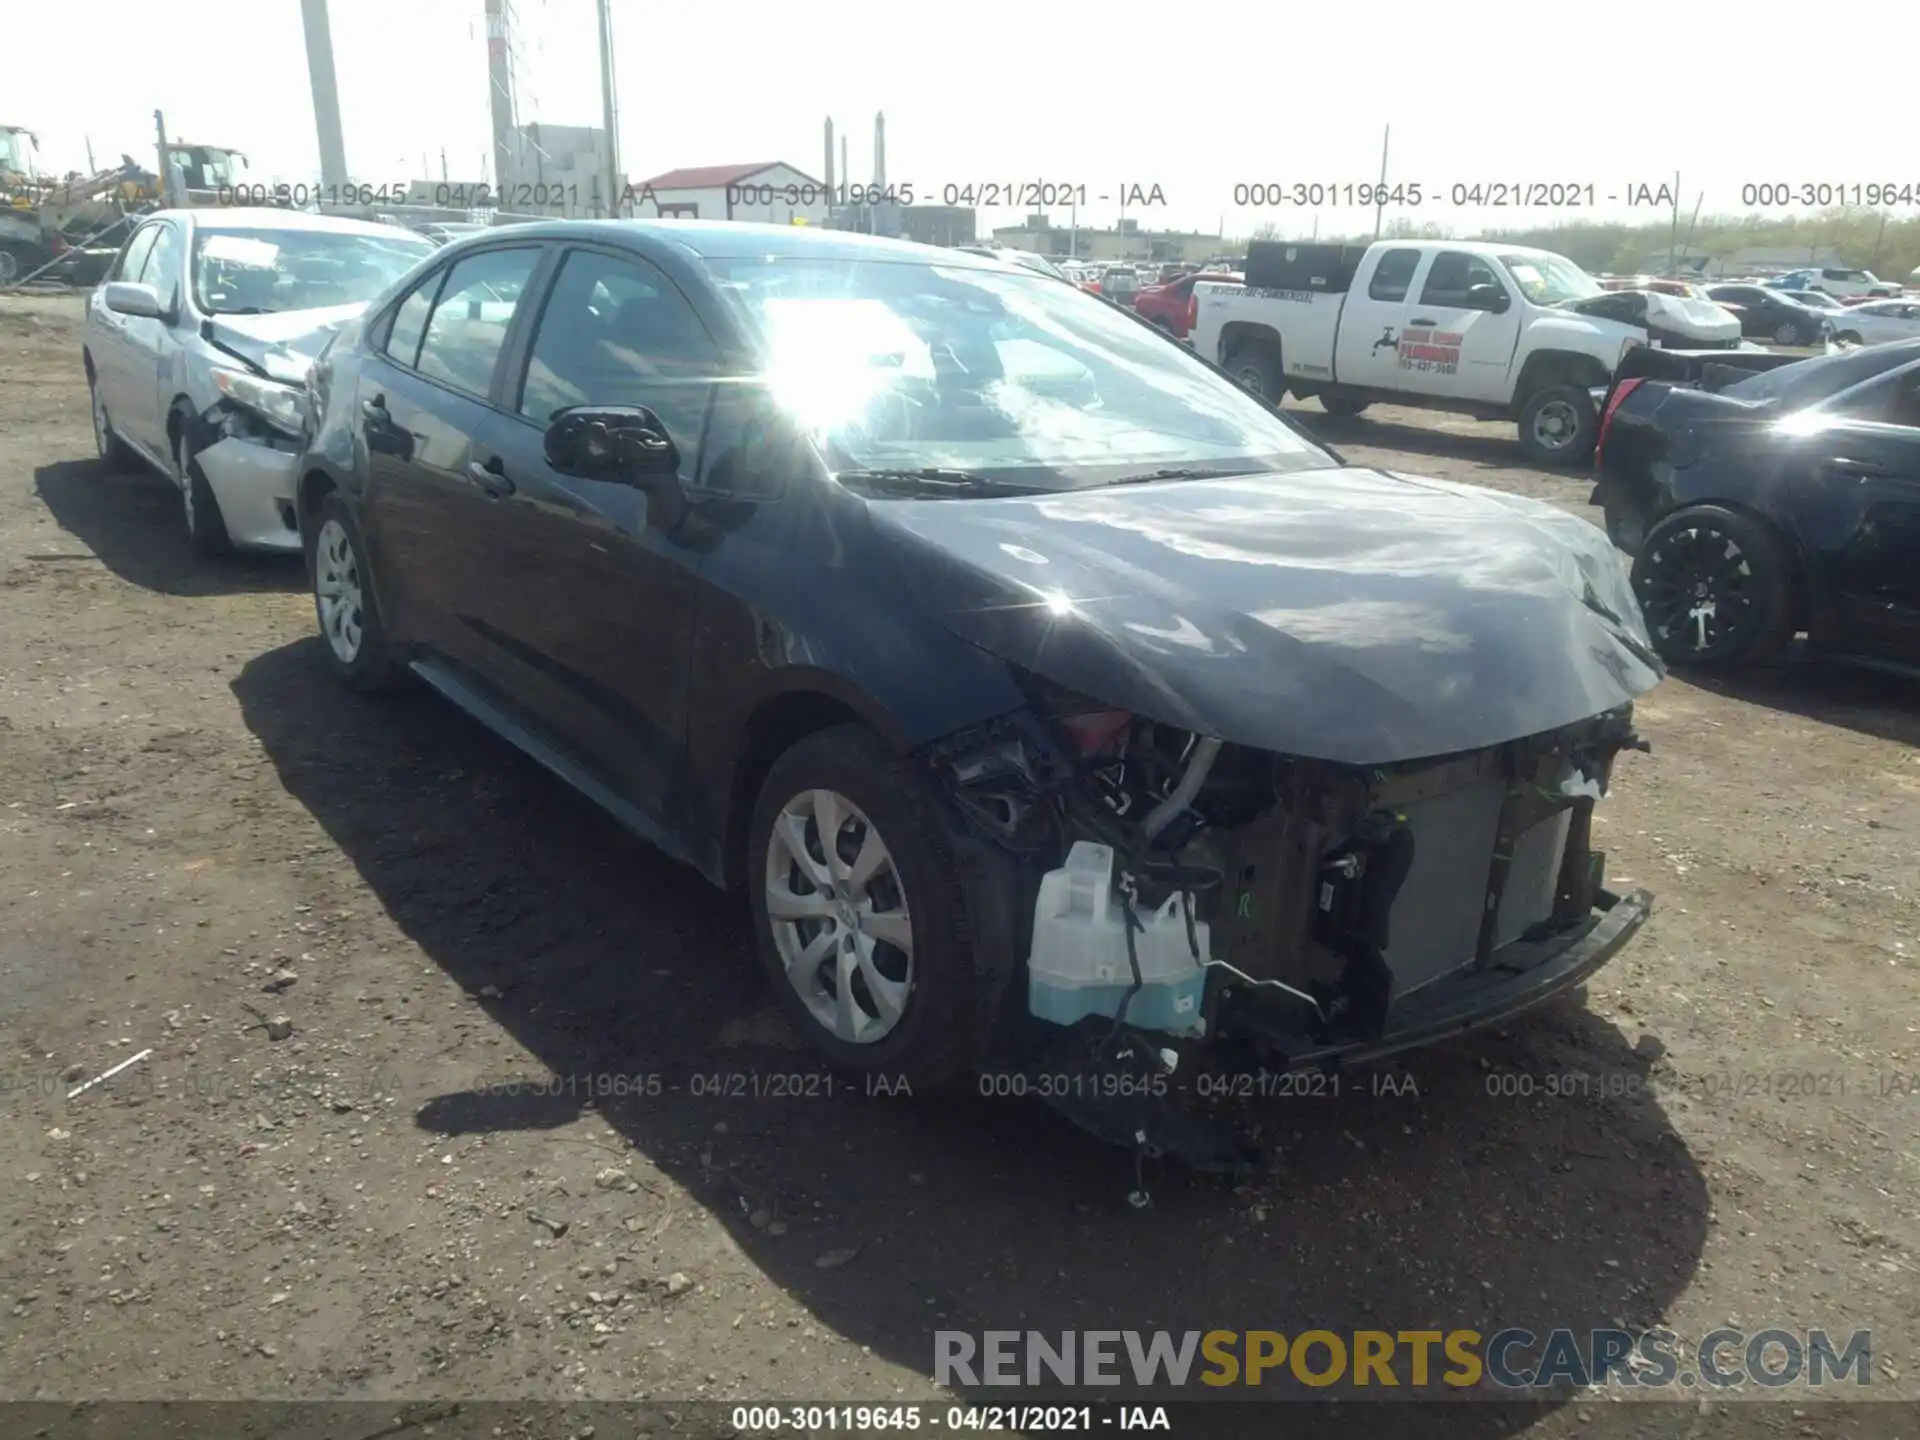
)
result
[(1878, 321)]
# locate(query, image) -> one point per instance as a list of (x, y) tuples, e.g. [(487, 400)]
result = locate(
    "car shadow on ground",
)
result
[(1869, 701), (1469, 1203), (131, 520)]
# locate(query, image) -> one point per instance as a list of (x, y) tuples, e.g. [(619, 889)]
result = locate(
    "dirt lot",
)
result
[(196, 825)]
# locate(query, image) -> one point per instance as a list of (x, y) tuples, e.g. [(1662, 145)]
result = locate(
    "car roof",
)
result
[(737, 240), (269, 217)]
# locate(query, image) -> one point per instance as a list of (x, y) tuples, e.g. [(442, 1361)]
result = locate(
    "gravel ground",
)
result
[(200, 835)]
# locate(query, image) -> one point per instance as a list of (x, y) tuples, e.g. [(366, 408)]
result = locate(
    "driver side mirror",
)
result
[(621, 445), (128, 297), (1491, 298)]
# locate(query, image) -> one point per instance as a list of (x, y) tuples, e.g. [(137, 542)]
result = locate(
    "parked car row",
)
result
[(848, 583)]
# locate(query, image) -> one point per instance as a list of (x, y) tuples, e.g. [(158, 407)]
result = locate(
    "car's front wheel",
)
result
[(350, 625), (859, 909), (1790, 334), (1716, 587)]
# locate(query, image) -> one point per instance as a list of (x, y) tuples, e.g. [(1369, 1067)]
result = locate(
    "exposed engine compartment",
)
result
[(1332, 893)]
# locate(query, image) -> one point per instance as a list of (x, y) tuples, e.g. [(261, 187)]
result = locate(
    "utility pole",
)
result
[(169, 184), (326, 96), (609, 111), (500, 92), (91, 167), (1380, 194)]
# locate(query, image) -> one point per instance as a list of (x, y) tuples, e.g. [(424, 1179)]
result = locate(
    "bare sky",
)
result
[(1612, 97)]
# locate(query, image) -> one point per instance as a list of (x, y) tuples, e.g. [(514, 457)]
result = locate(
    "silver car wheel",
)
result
[(336, 592), (839, 916)]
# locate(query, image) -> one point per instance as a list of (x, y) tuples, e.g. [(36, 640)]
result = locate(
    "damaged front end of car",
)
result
[(1191, 905)]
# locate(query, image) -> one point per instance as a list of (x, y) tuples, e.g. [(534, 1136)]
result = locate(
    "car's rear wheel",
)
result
[(1257, 368), (200, 510), (112, 450), (859, 910), (1558, 425), (1716, 587), (1790, 334), (350, 625)]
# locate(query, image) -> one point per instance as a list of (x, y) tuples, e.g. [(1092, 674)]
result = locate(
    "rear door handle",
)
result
[(376, 411), (490, 477)]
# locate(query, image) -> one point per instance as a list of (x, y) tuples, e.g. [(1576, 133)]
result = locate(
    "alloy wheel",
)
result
[(1555, 425), (839, 916), (1698, 591), (336, 592)]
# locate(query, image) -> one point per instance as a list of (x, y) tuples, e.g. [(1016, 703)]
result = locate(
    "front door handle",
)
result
[(1862, 468), (1426, 322), (490, 477)]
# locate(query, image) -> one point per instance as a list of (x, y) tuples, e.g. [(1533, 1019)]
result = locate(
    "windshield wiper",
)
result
[(1179, 473), (937, 479)]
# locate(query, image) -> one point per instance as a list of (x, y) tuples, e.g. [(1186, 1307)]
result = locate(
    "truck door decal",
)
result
[(1387, 341), (1428, 351)]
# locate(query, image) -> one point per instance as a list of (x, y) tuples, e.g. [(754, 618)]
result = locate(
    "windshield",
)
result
[(1550, 279), (1807, 381), (893, 366), (259, 272)]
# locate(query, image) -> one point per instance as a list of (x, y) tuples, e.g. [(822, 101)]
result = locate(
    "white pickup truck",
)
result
[(1500, 332)]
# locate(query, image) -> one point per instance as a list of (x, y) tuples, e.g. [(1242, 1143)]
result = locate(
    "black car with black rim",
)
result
[(1773, 315), (878, 582), (1781, 502)]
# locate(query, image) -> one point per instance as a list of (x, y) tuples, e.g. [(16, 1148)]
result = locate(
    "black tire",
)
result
[(371, 663), (1256, 367), (931, 1043), (1558, 425), (16, 261), (1344, 406), (114, 452), (1790, 334), (206, 526), (1734, 562)]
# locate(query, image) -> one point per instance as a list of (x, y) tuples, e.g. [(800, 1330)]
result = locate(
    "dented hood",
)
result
[(282, 344), (1346, 614)]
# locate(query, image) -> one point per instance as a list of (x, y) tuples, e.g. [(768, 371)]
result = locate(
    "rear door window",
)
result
[(468, 327), (1393, 276), (1809, 381)]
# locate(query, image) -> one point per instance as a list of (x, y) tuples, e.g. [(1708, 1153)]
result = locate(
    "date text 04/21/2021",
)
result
[(982, 194), (1458, 194)]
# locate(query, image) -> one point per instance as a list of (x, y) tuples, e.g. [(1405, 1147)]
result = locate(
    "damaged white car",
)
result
[(197, 347)]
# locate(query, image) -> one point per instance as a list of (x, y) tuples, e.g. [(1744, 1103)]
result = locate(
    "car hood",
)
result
[(1348, 615), (283, 344)]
